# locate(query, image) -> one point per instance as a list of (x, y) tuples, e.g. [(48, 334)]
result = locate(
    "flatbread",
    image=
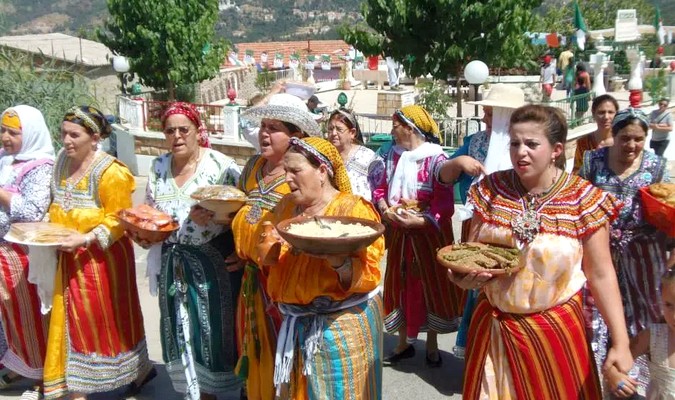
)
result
[(472, 256)]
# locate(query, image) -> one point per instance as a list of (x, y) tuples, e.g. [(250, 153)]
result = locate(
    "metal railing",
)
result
[(576, 108)]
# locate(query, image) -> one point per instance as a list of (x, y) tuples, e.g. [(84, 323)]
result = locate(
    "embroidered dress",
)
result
[(364, 167), (416, 289), (24, 326), (638, 250), (258, 319), (330, 343), (662, 384), (197, 295), (540, 305), (96, 337)]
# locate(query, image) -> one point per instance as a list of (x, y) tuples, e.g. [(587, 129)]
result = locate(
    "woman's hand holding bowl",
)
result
[(472, 280), (134, 236), (200, 215)]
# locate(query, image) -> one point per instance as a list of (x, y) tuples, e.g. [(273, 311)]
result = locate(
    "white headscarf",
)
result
[(36, 140)]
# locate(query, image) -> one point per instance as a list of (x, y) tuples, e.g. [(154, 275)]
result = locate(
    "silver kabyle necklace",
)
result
[(526, 225)]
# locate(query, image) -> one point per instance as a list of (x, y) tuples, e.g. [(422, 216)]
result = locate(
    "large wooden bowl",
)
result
[(322, 245), (150, 236), (459, 267)]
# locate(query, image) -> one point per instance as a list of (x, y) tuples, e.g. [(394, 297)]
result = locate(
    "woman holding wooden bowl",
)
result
[(560, 223), (26, 164), (96, 336), (331, 304), (281, 117), (197, 294)]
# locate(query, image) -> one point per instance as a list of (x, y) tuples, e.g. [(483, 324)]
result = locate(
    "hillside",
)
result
[(243, 21)]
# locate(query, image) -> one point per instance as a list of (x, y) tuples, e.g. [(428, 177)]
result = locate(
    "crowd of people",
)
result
[(595, 288)]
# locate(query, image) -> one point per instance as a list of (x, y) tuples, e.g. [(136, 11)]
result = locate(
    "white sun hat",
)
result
[(288, 108), (502, 95)]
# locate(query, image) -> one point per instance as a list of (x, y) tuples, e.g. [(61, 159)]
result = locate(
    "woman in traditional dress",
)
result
[(26, 163), (197, 294), (330, 342), (96, 337), (527, 338), (280, 118), (604, 108), (364, 167), (638, 249), (419, 208)]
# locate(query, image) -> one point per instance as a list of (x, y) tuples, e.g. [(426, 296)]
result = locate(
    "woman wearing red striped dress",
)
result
[(26, 161)]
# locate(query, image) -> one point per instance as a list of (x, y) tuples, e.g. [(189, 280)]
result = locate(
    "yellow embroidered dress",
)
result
[(96, 338), (258, 319)]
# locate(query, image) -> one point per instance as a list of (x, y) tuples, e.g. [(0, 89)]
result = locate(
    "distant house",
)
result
[(87, 57), (335, 48)]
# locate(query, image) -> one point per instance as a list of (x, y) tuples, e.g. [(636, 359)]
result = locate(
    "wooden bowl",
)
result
[(222, 208), (322, 245), (150, 236), (466, 267)]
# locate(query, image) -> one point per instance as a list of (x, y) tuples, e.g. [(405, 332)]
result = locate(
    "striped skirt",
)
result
[(197, 300), (24, 326), (348, 364), (96, 336), (529, 356), (417, 291)]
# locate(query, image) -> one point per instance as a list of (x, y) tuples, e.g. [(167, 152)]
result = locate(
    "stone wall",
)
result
[(155, 146), (389, 101), (242, 79)]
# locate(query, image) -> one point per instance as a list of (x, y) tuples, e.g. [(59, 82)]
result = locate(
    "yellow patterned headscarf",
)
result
[(421, 121), (322, 151)]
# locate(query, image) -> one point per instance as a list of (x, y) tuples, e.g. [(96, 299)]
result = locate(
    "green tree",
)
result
[(439, 37), (169, 42)]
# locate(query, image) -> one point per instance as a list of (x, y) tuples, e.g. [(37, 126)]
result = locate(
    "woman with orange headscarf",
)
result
[(330, 341)]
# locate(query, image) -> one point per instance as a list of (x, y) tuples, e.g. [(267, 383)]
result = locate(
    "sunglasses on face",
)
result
[(183, 130), (663, 104)]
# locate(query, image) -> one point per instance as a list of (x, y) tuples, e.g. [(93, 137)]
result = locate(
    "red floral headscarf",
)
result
[(190, 111)]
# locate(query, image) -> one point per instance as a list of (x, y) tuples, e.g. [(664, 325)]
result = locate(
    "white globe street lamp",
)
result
[(121, 65), (476, 73)]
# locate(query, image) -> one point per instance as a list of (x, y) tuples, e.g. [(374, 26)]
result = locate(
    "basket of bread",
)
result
[(658, 202), (222, 200), (38, 233), (327, 235), (463, 258), (147, 224)]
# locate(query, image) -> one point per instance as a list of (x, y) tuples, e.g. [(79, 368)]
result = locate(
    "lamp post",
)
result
[(121, 65), (476, 73)]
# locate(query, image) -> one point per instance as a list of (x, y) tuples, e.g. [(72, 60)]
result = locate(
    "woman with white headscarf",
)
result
[(26, 161)]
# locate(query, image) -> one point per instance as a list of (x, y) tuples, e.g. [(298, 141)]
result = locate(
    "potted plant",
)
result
[(343, 82)]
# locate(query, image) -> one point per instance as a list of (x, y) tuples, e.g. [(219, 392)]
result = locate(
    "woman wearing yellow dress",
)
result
[(263, 179), (330, 341), (96, 339)]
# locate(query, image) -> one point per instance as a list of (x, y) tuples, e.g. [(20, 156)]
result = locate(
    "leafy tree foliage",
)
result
[(438, 37), (169, 42), (51, 88)]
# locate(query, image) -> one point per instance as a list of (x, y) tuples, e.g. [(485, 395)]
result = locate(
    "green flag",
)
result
[(579, 22)]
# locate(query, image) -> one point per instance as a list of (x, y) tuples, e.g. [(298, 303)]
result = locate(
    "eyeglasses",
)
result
[(183, 130), (340, 131), (663, 104)]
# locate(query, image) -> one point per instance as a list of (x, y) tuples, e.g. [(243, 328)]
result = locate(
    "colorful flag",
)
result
[(580, 24), (658, 27)]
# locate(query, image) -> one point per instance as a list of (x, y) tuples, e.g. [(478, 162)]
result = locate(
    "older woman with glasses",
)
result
[(364, 167), (197, 294)]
